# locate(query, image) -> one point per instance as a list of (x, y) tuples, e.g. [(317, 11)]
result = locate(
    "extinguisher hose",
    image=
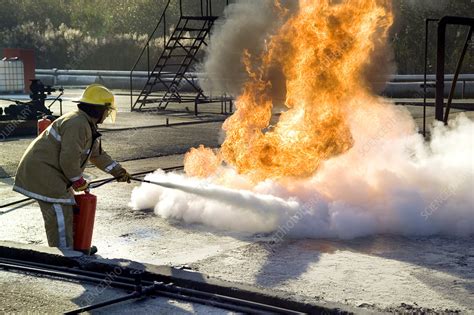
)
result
[(101, 183), (167, 185), (97, 183)]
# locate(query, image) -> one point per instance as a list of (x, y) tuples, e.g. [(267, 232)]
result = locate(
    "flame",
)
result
[(322, 50), (201, 162)]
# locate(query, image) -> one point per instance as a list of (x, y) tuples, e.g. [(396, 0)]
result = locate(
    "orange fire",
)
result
[(201, 162), (322, 51)]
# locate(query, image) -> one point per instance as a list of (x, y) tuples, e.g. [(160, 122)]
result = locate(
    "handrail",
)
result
[(147, 48), (440, 59), (456, 74), (206, 12), (425, 74)]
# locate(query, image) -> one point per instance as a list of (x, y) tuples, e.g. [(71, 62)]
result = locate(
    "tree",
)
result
[(65, 33)]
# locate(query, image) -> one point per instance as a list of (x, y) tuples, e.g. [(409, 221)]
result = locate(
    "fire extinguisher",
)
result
[(84, 216), (43, 123)]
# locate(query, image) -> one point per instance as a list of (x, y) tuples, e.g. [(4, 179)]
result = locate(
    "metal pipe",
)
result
[(56, 99), (164, 30), (440, 58), (53, 273), (196, 74), (430, 77), (64, 269), (424, 77), (440, 55), (185, 123), (212, 302), (148, 59), (427, 22), (157, 288), (131, 91), (456, 74), (162, 289), (62, 274), (228, 299), (99, 73), (131, 296)]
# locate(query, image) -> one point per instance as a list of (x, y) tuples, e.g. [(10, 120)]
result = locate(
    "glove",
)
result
[(80, 185), (123, 176)]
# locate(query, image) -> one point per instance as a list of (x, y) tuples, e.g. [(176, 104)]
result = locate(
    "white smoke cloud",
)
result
[(391, 181), (245, 26)]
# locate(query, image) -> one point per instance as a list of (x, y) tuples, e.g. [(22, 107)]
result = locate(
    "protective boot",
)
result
[(91, 252)]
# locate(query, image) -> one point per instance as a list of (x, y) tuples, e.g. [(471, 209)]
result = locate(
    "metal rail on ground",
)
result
[(142, 288)]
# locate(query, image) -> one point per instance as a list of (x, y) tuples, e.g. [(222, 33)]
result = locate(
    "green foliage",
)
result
[(109, 34), (82, 34), (65, 47)]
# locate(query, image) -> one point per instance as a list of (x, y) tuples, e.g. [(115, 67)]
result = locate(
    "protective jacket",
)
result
[(57, 158)]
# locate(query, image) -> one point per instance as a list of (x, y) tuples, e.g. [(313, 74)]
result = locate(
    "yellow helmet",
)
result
[(99, 95)]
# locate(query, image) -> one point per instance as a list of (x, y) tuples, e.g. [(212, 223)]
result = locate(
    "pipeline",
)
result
[(398, 86), (97, 183), (142, 288)]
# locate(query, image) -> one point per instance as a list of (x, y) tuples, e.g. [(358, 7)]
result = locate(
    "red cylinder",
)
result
[(84, 216), (43, 123)]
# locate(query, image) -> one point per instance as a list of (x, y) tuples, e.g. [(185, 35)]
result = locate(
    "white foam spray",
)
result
[(391, 181), (202, 199)]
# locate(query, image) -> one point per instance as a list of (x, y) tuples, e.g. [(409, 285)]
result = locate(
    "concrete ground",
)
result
[(381, 273)]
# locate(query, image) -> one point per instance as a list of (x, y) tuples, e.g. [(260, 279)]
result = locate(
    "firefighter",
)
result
[(54, 163)]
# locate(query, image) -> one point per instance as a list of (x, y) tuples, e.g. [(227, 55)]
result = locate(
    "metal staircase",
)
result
[(172, 70)]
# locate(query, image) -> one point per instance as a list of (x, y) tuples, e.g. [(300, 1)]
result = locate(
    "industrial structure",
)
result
[(167, 74)]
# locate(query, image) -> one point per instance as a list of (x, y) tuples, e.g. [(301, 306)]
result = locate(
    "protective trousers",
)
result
[(58, 222)]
